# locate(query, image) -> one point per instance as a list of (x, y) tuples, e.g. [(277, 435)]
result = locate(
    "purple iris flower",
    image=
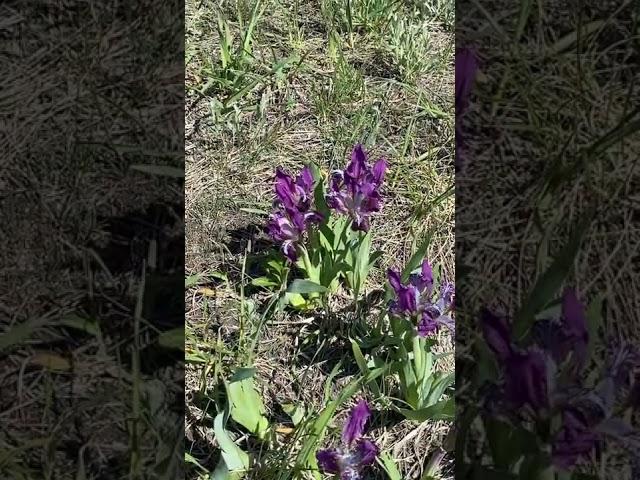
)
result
[(293, 213), (466, 69), (414, 300), (525, 370), (572, 336), (576, 438), (355, 453), (586, 413), (356, 190)]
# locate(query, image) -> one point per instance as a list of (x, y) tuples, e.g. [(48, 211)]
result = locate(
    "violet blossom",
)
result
[(355, 452), (576, 438), (545, 377), (293, 213), (356, 190), (414, 300), (525, 370)]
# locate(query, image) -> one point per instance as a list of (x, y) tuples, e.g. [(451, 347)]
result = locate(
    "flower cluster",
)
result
[(543, 379), (414, 300), (356, 190), (355, 453), (293, 212), (466, 69)]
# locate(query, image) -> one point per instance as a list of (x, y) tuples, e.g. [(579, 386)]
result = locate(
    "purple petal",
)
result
[(466, 69), (573, 314), (356, 422), (350, 473), (573, 336), (497, 334), (289, 250), (574, 440), (426, 272), (424, 281), (299, 220), (305, 180), (427, 326), (407, 299), (328, 460), (360, 224), (280, 228), (337, 180), (526, 380), (285, 188), (366, 452), (379, 169), (448, 292), (336, 201), (313, 217), (371, 203), (394, 280), (358, 163)]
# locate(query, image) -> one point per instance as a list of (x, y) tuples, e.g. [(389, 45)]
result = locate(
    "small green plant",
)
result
[(326, 249), (417, 313), (343, 87), (354, 16), (244, 406), (409, 45)]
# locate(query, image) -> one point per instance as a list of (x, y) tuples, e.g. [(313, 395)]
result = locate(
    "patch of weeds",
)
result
[(343, 88), (353, 16), (442, 11), (409, 44)]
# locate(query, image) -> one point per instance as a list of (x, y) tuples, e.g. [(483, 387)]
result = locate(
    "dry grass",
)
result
[(81, 102), (322, 106), (540, 106)]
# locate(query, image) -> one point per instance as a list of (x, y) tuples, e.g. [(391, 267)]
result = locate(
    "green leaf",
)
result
[(195, 358), (444, 410), (361, 268), (536, 467), (340, 232), (509, 444), (362, 364), (296, 412), (257, 211), (377, 255), (570, 39), (20, 332), (319, 196), (550, 282), (389, 466), (87, 325), (192, 280), (445, 381), (173, 338), (416, 259), (234, 458), (242, 374), (188, 458), (305, 286), (263, 282), (295, 300), (246, 405)]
